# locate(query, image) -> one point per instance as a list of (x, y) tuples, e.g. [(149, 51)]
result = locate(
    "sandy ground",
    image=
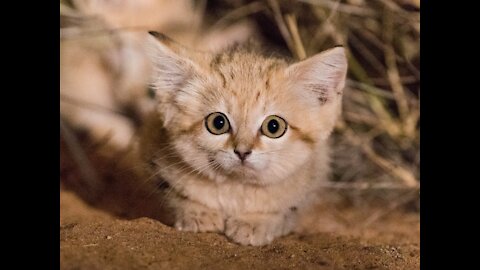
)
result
[(119, 229)]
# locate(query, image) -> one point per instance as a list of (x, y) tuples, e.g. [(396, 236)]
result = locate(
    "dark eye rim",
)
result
[(224, 116), (284, 131)]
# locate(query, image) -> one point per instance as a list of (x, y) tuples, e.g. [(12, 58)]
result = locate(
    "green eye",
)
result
[(274, 126), (217, 123)]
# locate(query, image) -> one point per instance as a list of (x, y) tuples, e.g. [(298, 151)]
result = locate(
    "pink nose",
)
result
[(242, 155)]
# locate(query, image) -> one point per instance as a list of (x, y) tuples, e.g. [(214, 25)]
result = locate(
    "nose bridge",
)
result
[(244, 139)]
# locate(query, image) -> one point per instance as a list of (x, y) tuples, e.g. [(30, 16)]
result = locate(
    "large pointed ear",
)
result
[(172, 67), (173, 71), (321, 77)]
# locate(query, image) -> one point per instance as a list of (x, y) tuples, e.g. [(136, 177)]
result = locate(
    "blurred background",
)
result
[(105, 72)]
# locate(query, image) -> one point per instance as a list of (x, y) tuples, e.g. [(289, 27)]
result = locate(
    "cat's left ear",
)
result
[(321, 76)]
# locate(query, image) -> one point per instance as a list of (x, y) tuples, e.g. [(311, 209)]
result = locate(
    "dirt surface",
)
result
[(119, 228), (93, 239)]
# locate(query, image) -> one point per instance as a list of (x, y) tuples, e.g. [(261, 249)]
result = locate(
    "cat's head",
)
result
[(244, 117)]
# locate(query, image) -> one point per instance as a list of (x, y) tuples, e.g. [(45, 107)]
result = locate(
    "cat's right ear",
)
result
[(322, 76), (172, 68), (172, 71), (320, 80)]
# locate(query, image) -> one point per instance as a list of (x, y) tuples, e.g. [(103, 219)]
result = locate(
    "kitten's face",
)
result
[(241, 117), (245, 131)]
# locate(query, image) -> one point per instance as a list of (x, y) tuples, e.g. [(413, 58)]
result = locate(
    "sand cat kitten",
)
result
[(240, 138)]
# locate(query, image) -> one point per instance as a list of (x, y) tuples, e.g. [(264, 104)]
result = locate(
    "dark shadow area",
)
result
[(119, 189)]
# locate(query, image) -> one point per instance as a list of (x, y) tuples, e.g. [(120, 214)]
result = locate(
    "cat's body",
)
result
[(240, 140), (202, 203)]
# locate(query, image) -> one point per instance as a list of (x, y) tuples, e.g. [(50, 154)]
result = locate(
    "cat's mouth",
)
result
[(231, 166), (243, 167), (240, 168), (246, 164), (247, 169)]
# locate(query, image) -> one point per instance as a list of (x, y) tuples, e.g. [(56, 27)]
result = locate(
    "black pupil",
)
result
[(219, 122), (273, 126)]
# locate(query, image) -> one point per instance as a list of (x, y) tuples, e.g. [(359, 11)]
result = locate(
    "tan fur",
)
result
[(254, 202)]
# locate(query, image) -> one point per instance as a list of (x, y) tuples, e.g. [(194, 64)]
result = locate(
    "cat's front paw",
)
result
[(199, 220), (253, 231)]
